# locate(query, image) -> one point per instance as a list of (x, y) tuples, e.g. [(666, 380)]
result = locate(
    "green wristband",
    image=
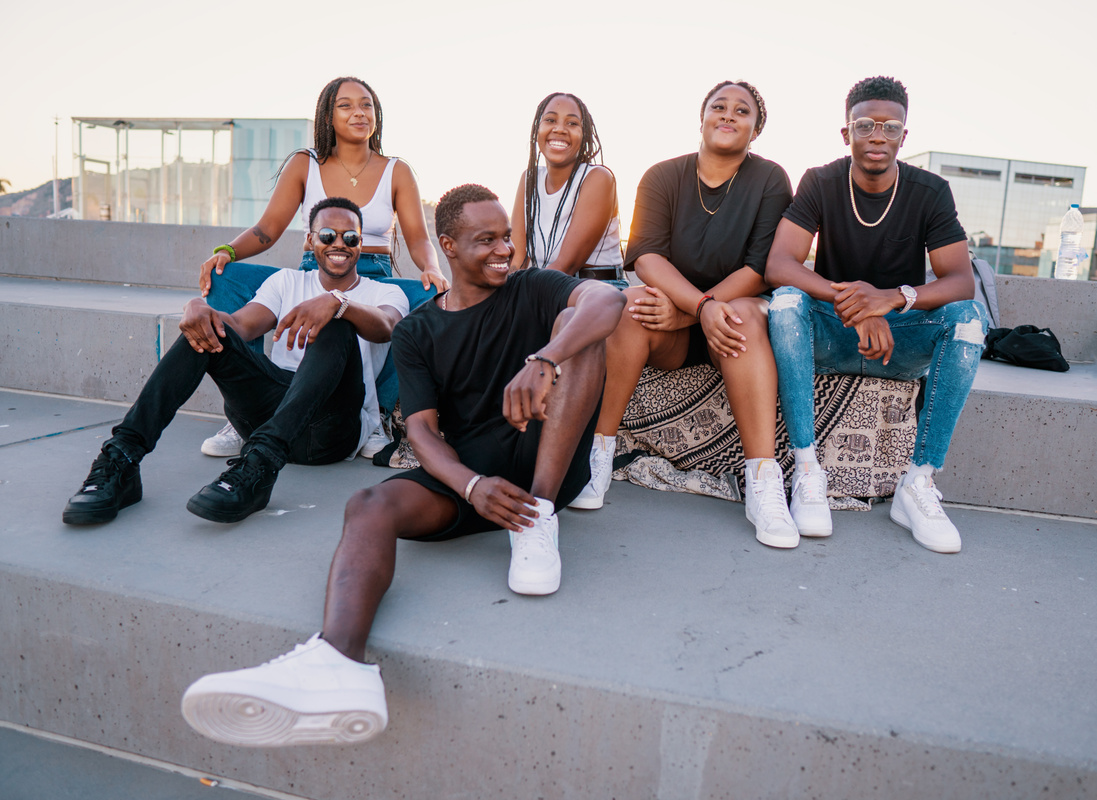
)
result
[(228, 248)]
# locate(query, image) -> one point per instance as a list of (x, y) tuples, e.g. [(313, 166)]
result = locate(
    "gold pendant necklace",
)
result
[(699, 197), (354, 177), (852, 202)]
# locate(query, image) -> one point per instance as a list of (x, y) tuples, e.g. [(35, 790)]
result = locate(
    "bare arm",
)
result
[(202, 326), (413, 224), (494, 498), (785, 266), (288, 195), (518, 226), (593, 209), (305, 321)]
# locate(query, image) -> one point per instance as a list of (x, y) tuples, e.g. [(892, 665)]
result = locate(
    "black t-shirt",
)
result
[(459, 362), (668, 219), (923, 217)]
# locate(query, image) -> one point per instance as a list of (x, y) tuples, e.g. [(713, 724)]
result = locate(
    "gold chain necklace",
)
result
[(852, 202), (699, 197), (354, 177)]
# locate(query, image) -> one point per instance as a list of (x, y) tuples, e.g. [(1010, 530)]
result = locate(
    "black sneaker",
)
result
[(242, 489), (113, 484)]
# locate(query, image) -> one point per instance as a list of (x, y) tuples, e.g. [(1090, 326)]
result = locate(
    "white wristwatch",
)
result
[(909, 295), (344, 301)]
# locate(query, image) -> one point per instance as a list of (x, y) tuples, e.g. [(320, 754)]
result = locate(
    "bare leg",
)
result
[(364, 561), (571, 404), (751, 381), (629, 349)]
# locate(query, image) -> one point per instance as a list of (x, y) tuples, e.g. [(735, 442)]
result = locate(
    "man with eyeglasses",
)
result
[(313, 402), (866, 308)]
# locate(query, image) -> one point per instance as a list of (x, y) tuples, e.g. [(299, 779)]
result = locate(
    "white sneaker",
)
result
[(809, 507), (917, 507), (376, 441), (535, 556), (311, 695), (226, 443), (601, 475), (767, 509)]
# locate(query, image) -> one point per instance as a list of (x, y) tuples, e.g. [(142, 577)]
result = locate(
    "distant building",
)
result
[(1004, 205), (203, 192)]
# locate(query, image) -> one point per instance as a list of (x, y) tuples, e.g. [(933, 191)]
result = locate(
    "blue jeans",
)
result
[(943, 345), (232, 290)]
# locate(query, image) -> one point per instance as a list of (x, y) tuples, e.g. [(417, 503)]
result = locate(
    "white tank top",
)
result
[(546, 242), (378, 215)]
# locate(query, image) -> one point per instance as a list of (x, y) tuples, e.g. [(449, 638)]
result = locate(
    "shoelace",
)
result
[(928, 498), (535, 541), (771, 496), (228, 432), (242, 470), (811, 488), (103, 469), (296, 649)]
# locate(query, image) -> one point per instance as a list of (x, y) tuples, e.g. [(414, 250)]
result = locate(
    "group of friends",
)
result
[(513, 381)]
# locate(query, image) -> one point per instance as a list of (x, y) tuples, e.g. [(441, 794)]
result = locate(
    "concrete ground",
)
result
[(856, 666)]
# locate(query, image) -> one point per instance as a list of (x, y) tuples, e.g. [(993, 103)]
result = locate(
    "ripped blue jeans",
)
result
[(943, 345)]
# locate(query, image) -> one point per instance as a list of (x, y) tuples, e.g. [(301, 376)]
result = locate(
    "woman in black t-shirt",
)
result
[(701, 231)]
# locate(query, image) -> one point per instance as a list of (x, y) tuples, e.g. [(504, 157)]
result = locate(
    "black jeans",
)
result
[(311, 416)]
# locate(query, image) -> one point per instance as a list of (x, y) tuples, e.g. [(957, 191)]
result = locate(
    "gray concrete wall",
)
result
[(142, 254), (1069, 308)]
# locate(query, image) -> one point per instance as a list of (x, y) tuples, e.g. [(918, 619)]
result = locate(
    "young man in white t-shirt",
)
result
[(312, 403)]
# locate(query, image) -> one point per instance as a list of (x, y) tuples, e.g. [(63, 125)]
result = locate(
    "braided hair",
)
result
[(878, 88), (758, 101), (590, 148), (324, 130)]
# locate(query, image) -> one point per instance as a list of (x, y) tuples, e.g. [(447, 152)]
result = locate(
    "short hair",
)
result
[(335, 202), (878, 88), (758, 101), (447, 214)]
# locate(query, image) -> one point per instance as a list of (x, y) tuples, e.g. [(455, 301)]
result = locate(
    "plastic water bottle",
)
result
[(1070, 244)]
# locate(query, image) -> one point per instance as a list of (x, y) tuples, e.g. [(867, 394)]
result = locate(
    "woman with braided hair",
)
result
[(701, 232), (346, 161), (565, 213)]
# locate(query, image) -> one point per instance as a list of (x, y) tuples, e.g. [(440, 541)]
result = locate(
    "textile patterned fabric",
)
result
[(678, 434)]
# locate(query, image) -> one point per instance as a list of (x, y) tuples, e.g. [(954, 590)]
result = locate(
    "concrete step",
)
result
[(679, 659)]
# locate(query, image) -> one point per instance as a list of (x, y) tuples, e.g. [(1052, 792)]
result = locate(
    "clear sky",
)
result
[(459, 81)]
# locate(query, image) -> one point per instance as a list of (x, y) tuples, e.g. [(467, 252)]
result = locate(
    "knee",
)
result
[(752, 310), (788, 306), (361, 505), (967, 320), (337, 331)]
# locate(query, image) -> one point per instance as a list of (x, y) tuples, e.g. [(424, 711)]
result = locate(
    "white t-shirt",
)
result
[(288, 288)]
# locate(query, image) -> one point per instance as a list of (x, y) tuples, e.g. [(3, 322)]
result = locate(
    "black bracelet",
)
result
[(556, 371), (701, 305)]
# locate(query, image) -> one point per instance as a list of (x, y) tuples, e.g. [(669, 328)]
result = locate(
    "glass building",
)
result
[(1006, 205), (196, 171)]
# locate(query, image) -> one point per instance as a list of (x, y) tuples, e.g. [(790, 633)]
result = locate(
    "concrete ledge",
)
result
[(679, 659), (1069, 308)]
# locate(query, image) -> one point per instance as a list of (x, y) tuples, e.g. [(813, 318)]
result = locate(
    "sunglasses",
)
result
[(866, 126), (327, 236)]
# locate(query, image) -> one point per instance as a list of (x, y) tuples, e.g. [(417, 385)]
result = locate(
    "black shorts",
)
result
[(697, 352), (507, 453)]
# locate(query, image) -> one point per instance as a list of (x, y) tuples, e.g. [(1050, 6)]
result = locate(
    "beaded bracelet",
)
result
[(228, 248), (556, 371), (472, 485), (701, 303)]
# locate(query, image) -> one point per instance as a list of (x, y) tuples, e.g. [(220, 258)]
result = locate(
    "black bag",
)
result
[(1026, 346)]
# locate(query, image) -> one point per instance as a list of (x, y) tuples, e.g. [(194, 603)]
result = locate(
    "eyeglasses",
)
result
[(866, 126), (327, 236)]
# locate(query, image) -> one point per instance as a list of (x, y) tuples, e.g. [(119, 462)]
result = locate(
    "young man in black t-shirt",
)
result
[(510, 369), (866, 309)]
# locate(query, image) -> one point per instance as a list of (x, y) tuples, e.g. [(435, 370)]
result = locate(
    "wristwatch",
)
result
[(344, 301), (909, 295)]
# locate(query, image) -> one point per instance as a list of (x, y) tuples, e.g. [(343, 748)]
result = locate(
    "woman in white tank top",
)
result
[(565, 213), (346, 162)]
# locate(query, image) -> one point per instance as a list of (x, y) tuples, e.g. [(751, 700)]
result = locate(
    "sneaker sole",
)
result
[(85, 517), (587, 504), (216, 515), (903, 521), (219, 452), (541, 587), (249, 721), (772, 540)]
